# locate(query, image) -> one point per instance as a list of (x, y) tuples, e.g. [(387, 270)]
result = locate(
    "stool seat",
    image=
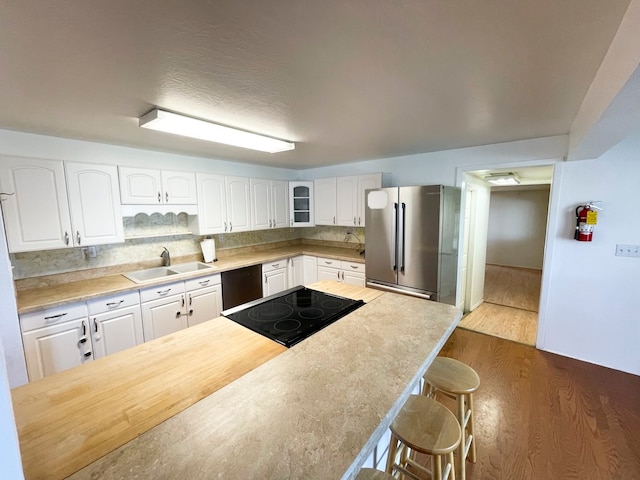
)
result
[(453, 376), (425, 426), (372, 474)]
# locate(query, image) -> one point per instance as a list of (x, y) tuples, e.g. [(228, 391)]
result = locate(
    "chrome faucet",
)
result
[(166, 258)]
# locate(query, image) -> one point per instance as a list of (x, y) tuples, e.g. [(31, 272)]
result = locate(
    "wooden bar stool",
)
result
[(459, 381), (425, 426), (372, 474)]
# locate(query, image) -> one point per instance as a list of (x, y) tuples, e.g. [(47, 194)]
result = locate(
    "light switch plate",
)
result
[(627, 250)]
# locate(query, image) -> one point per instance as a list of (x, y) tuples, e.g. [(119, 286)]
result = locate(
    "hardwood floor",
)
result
[(510, 308), (541, 416)]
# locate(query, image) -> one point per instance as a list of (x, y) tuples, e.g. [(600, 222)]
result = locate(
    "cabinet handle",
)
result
[(95, 325), (162, 293), (54, 317), (87, 354), (82, 340), (78, 236), (334, 220), (84, 328), (183, 300), (190, 300), (275, 265), (358, 220), (66, 238), (225, 226), (274, 223), (204, 282), (166, 197), (230, 226), (328, 263), (159, 197), (292, 222), (343, 276), (354, 221), (353, 266), (114, 304), (191, 312)]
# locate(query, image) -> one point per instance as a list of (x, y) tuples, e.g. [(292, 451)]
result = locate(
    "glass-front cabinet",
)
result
[(301, 204)]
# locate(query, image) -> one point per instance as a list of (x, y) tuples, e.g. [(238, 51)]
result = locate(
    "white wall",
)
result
[(41, 146), (517, 226), (10, 462), (592, 309)]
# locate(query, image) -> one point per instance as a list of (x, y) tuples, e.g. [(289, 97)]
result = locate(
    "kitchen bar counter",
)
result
[(56, 295), (314, 411)]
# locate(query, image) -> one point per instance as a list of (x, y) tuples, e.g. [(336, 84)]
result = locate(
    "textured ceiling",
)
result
[(347, 80)]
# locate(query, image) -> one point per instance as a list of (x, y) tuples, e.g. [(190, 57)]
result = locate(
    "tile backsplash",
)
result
[(146, 235)]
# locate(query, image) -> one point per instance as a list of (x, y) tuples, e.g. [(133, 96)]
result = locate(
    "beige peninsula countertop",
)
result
[(77, 291), (314, 411)]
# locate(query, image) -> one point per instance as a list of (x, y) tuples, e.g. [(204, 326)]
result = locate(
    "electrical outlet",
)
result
[(627, 250)]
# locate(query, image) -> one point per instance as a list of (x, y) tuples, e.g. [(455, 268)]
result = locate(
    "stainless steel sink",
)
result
[(157, 273)]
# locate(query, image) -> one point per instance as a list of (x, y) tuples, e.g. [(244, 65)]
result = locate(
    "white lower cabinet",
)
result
[(309, 269), (115, 323), (56, 340), (275, 277), (174, 306), (352, 273)]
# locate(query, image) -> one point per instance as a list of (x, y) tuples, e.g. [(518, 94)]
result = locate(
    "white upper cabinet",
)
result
[(142, 186), (40, 216), (340, 201), (269, 204), (301, 204), (34, 203), (365, 182), (325, 201), (94, 204), (238, 204), (212, 205), (347, 200)]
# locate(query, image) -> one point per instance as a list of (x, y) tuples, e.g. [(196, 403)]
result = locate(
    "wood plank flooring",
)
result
[(541, 416), (511, 298)]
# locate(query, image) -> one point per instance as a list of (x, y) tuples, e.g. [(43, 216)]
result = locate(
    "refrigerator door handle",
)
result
[(394, 233), (404, 231)]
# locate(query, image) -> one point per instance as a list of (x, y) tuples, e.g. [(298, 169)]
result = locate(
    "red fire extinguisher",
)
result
[(586, 219)]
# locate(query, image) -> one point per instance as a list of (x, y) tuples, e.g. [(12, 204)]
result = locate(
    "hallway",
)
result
[(510, 308)]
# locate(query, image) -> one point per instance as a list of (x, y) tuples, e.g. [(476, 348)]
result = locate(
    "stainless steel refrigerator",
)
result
[(411, 237)]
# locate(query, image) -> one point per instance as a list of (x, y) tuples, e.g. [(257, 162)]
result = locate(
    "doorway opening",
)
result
[(503, 249)]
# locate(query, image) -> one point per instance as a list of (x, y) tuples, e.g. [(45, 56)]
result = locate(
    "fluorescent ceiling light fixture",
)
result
[(502, 179), (164, 121)]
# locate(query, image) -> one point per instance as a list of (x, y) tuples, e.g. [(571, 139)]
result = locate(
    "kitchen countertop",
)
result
[(313, 411), (56, 295)]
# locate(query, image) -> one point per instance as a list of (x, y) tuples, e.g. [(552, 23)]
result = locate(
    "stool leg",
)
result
[(391, 454), (460, 460), (437, 467), (472, 447), (452, 472)]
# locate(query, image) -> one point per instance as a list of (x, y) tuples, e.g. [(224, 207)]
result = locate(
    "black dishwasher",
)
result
[(241, 285)]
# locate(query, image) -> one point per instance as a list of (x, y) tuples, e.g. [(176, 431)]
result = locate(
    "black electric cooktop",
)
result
[(293, 315)]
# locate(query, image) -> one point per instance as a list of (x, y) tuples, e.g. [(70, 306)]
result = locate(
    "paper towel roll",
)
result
[(208, 246)]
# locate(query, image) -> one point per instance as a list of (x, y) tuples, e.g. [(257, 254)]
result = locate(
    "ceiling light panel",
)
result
[(502, 179), (168, 122)]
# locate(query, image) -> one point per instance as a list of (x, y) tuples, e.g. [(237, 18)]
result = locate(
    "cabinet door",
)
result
[(238, 204), (310, 269), (212, 205), (55, 348), (115, 331), (327, 273), (353, 278), (347, 201), (301, 203), (261, 217), (365, 182), (140, 186), (296, 271), (325, 200), (279, 204), (94, 203), (164, 316), (36, 215), (204, 304), (275, 281), (179, 188)]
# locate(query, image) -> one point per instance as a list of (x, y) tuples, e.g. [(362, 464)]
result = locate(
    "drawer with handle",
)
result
[(276, 265), (203, 282), (161, 291), (52, 316), (113, 302), (352, 266)]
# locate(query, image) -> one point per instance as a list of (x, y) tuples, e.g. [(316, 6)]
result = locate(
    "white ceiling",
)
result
[(347, 80)]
